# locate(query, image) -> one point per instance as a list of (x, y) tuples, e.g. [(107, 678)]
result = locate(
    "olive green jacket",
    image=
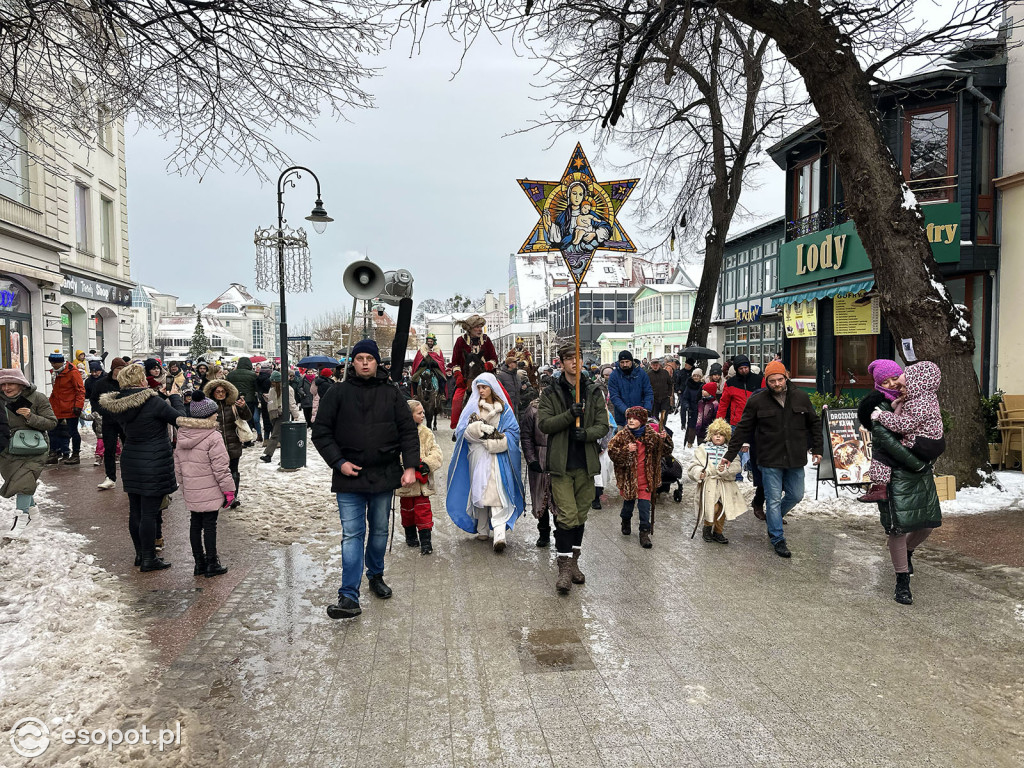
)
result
[(555, 420)]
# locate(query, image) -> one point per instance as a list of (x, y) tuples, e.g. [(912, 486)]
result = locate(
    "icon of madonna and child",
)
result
[(577, 229)]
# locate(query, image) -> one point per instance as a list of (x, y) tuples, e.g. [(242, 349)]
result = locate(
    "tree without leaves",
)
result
[(840, 48), (214, 76)]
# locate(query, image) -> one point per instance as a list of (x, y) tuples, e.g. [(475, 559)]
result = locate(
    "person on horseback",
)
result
[(428, 387), (473, 354), (428, 351)]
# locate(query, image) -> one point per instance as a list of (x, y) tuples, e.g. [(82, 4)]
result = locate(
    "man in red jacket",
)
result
[(67, 400), (738, 390)]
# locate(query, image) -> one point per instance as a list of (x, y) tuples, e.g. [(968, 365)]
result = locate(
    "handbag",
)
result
[(242, 428), (27, 442)]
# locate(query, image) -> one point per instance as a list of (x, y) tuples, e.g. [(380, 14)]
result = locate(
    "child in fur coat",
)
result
[(719, 497), (417, 516), (639, 445), (202, 469)]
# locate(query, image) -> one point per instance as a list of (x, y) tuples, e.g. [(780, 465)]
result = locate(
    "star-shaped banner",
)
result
[(578, 215)]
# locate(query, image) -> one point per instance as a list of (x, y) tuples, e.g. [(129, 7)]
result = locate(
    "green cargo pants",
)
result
[(573, 494)]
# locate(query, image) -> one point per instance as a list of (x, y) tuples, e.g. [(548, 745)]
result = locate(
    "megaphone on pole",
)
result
[(363, 279)]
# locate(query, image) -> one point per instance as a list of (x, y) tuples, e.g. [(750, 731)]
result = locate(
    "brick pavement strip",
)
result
[(687, 654)]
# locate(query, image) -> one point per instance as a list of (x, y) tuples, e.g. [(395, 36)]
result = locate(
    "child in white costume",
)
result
[(718, 496)]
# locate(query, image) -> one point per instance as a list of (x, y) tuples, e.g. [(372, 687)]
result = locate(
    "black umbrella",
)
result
[(317, 361), (699, 353)]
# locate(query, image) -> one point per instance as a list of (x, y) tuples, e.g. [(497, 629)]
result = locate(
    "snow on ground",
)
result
[(285, 507), (67, 652)]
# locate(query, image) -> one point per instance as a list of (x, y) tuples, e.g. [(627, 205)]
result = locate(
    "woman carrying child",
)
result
[(417, 516), (720, 499), (485, 487), (636, 452)]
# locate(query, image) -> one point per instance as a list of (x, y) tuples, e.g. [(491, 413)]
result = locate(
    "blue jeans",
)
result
[(254, 422), (356, 510), (645, 512), (776, 505)]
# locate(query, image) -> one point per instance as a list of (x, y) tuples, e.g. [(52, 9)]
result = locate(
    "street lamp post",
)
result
[(320, 220)]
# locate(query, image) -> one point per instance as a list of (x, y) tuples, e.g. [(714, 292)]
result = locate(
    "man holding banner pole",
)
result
[(783, 422)]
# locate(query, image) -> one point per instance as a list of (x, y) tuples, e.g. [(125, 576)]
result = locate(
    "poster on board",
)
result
[(801, 319), (849, 446)]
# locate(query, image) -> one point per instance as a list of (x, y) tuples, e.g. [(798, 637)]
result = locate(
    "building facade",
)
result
[(662, 319), (747, 322), (64, 267), (942, 127), (602, 310)]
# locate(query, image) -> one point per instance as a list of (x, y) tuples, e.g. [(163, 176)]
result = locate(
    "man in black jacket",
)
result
[(783, 422), (363, 427), (661, 383)]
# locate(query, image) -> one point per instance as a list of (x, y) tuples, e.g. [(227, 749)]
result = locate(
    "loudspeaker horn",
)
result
[(363, 279)]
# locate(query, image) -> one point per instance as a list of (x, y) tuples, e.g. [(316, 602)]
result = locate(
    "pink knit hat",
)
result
[(881, 370), (13, 376)]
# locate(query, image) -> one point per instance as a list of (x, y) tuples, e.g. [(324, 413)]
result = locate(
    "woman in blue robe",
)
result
[(485, 486)]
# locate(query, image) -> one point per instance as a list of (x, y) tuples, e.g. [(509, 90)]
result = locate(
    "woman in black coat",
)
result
[(689, 403), (147, 461), (230, 410)]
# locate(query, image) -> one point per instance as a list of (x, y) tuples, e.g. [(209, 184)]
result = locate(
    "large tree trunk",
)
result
[(714, 248), (914, 300)]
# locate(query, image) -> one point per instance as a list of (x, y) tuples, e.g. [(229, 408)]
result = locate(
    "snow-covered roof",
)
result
[(236, 294), (178, 325), (447, 317), (667, 288)]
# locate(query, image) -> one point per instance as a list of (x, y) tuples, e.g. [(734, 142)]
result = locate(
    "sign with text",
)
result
[(849, 446), (93, 289), (801, 319), (838, 252), (853, 319), (751, 315)]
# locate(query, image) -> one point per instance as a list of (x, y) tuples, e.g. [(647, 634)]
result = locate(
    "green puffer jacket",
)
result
[(555, 420), (913, 501)]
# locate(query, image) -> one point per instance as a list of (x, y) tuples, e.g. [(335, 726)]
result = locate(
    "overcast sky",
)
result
[(426, 181)]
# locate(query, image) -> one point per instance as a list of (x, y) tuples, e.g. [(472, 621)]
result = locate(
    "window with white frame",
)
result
[(14, 182), (730, 286), (82, 210), (257, 334), (108, 230), (227, 309), (684, 307), (104, 129), (770, 275), (756, 279)]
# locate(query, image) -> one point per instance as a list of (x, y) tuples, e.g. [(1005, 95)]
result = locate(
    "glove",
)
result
[(535, 466), (579, 434), (875, 414), (228, 498), (576, 409), (76, 411), (423, 469)]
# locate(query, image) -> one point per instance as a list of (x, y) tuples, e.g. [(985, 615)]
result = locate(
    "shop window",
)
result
[(804, 358), (807, 188), (853, 356), (928, 153), (82, 218), (988, 140), (15, 327), (14, 182), (741, 333), (754, 333), (768, 329), (970, 292)]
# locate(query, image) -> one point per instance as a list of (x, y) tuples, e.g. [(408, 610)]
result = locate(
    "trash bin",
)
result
[(293, 444)]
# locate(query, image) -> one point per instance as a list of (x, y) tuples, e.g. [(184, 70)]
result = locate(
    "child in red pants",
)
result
[(417, 517)]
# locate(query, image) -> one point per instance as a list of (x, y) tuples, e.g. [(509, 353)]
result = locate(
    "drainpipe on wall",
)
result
[(988, 114)]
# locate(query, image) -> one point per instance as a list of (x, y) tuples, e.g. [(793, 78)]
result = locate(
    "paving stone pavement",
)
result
[(688, 654)]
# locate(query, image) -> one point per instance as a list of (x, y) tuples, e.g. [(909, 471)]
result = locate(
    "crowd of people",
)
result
[(564, 431)]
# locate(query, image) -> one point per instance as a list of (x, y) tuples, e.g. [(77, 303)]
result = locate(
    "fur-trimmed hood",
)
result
[(193, 431), (126, 400), (232, 391)]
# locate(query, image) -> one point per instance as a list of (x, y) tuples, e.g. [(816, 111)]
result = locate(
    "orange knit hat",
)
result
[(775, 366)]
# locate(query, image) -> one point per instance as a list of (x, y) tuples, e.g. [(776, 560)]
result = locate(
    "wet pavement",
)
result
[(688, 654)]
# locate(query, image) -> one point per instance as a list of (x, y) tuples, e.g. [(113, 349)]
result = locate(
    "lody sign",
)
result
[(838, 252)]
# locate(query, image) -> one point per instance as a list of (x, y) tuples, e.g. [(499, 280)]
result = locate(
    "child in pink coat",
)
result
[(202, 468)]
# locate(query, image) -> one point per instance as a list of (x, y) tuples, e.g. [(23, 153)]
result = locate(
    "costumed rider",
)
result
[(572, 460), (474, 342), (524, 359), (485, 487), (431, 355)]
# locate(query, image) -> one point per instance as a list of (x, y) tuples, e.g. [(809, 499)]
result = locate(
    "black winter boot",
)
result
[(200, 568), (150, 562), (213, 566), (902, 593), (379, 588), (544, 538), (910, 562), (627, 529), (74, 458), (706, 533), (596, 503), (425, 548), (410, 536)]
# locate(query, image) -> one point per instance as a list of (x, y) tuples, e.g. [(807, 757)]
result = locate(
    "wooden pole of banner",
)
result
[(576, 325)]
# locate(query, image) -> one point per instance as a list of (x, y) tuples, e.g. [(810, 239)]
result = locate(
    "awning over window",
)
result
[(824, 291)]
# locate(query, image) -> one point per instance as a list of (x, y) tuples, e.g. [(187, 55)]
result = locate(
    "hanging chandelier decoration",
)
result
[(297, 276)]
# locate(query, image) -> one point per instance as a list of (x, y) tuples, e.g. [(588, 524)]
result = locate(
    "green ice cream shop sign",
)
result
[(838, 251)]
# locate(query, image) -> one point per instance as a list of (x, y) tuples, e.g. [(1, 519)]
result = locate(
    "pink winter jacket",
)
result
[(201, 464)]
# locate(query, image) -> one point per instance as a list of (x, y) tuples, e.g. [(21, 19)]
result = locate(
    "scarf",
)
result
[(639, 433), (890, 394), (715, 452)]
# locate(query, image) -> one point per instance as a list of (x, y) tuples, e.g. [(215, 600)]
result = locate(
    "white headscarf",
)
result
[(473, 404)]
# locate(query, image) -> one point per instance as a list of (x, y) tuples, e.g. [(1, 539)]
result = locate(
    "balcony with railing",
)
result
[(21, 215), (935, 189), (826, 218)]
